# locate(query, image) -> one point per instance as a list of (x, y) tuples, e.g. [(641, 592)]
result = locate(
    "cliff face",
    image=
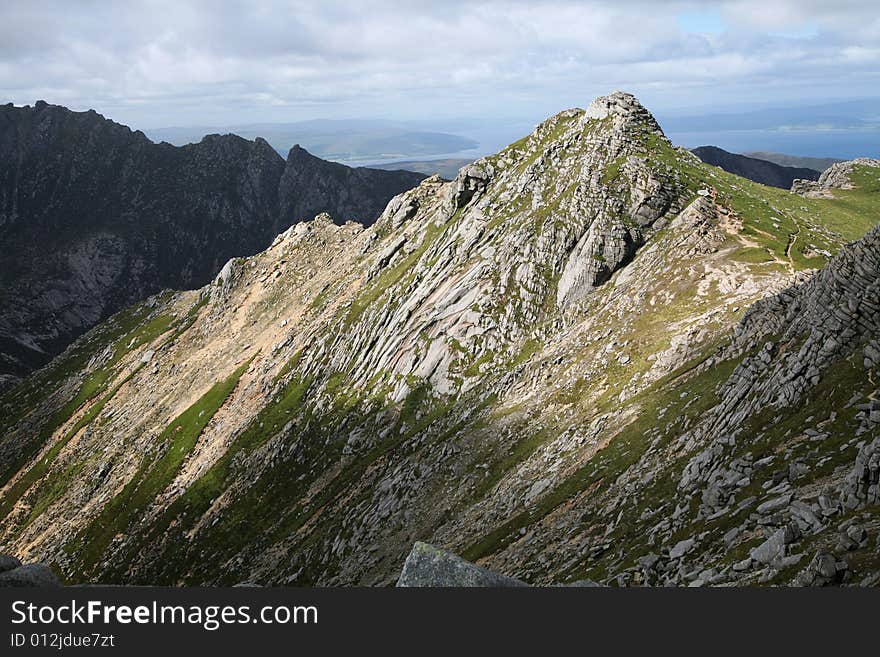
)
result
[(94, 217), (588, 357)]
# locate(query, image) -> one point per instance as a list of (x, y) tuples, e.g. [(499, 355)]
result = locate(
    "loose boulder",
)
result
[(430, 566), (27, 575)]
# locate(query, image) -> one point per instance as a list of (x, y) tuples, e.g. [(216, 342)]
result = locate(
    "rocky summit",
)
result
[(589, 357), (95, 217)]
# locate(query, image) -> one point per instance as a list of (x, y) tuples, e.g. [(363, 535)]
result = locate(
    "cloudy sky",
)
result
[(168, 62)]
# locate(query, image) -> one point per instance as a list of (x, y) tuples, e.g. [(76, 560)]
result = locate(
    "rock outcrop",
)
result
[(428, 566), (431, 567), (837, 176)]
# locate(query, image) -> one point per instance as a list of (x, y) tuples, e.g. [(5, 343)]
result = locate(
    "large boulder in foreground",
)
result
[(13, 573), (430, 566)]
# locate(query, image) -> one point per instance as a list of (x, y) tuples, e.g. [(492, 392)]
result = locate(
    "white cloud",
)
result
[(170, 62), (861, 55)]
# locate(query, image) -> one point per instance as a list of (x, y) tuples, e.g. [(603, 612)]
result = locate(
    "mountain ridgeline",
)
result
[(589, 356), (796, 161), (94, 217)]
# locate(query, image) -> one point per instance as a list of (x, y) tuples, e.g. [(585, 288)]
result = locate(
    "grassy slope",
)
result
[(125, 332), (757, 206), (274, 507), (153, 476), (767, 434), (122, 334), (786, 226)]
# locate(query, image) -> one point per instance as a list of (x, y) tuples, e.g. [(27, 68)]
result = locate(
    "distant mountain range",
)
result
[(842, 130), (839, 130), (345, 141), (815, 163), (446, 168), (94, 217), (762, 171), (774, 169)]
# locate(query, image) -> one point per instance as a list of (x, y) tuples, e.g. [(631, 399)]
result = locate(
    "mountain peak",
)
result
[(621, 105), (297, 151)]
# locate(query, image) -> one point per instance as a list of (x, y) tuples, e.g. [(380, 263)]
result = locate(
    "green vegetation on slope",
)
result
[(789, 227), (768, 433), (187, 509), (125, 332), (42, 466), (151, 478), (663, 399)]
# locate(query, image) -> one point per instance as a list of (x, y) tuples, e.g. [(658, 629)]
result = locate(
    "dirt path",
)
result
[(788, 249)]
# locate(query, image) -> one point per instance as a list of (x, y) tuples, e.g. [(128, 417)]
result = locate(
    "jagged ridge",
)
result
[(523, 365)]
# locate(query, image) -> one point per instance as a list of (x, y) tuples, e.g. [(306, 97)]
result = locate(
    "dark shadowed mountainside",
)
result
[(760, 171), (349, 193), (94, 217)]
